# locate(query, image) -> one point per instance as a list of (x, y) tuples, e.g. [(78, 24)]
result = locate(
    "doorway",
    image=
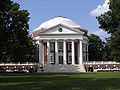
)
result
[(60, 59)]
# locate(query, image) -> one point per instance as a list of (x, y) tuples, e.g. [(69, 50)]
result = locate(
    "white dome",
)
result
[(58, 20)]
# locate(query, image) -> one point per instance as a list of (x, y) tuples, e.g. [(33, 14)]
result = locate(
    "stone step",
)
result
[(62, 68)]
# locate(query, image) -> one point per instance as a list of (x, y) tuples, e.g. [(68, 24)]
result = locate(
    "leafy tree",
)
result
[(106, 53), (95, 48), (110, 22), (15, 43), (114, 46)]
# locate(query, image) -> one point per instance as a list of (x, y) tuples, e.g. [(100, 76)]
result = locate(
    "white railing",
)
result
[(18, 64), (101, 62)]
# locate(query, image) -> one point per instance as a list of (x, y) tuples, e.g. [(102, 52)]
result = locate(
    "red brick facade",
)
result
[(85, 32), (35, 33), (45, 53)]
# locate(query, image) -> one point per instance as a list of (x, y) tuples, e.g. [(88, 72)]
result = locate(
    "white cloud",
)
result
[(100, 9), (100, 32)]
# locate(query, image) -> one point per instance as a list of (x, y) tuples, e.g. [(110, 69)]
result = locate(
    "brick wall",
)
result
[(35, 33), (85, 32)]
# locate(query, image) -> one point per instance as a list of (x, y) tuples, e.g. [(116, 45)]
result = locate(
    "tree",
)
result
[(15, 43), (110, 22), (95, 48)]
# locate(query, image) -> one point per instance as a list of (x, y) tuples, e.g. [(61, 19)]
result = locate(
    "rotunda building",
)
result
[(62, 42)]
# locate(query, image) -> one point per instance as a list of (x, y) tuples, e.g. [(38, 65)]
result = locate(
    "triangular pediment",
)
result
[(61, 29)]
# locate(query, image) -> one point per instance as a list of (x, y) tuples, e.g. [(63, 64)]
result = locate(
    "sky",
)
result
[(83, 12)]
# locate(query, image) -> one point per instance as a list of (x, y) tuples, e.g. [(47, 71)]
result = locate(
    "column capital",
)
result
[(64, 40), (47, 40), (40, 40), (81, 39), (56, 40), (72, 39)]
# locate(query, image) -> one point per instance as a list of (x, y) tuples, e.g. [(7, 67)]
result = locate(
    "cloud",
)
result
[(100, 9), (100, 32)]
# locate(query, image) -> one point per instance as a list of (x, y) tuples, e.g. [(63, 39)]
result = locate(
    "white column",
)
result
[(73, 52), (48, 52), (56, 52), (40, 53), (64, 52), (87, 52), (81, 53), (78, 53)]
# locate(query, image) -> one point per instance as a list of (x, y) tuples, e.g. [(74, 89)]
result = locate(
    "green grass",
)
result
[(60, 81)]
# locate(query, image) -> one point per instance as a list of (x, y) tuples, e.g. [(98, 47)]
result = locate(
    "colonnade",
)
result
[(80, 56)]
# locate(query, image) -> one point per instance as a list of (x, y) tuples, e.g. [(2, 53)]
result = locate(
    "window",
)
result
[(60, 46), (60, 59), (52, 57), (84, 56), (60, 29), (69, 58), (51, 46), (85, 52), (45, 58), (84, 47), (69, 46)]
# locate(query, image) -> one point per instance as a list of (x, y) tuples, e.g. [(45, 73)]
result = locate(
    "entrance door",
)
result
[(60, 59)]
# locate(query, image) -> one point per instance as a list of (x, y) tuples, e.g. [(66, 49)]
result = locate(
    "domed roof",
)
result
[(58, 20)]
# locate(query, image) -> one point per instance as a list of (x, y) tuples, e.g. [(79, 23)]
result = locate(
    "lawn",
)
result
[(60, 81)]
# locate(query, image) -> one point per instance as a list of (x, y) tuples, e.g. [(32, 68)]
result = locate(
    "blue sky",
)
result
[(83, 12)]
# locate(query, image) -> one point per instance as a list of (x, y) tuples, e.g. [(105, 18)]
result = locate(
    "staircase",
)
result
[(62, 68)]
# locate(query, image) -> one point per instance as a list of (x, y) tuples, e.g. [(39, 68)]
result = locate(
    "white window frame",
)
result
[(84, 56), (51, 46), (69, 46), (69, 58), (51, 57), (60, 46), (60, 55), (84, 47)]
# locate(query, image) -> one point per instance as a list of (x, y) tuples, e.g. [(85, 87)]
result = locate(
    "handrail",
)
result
[(101, 62), (18, 64)]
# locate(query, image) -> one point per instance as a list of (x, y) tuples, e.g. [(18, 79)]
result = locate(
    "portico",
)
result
[(61, 51)]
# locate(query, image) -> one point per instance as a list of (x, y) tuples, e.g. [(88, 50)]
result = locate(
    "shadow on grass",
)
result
[(73, 81)]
